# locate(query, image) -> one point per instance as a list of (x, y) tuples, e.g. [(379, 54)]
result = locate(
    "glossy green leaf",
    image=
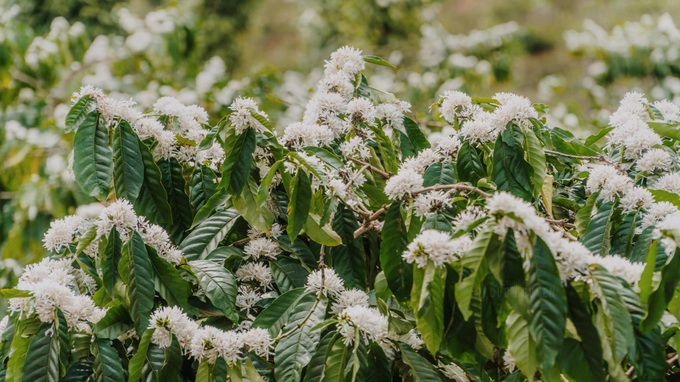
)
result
[(300, 203), (597, 237), (153, 198), (138, 360), (485, 243), (92, 157), (398, 273), (469, 164), (80, 111), (128, 165), (511, 172), (238, 162), (219, 286), (140, 283), (107, 365), (548, 305), (205, 238), (277, 314), (420, 369)]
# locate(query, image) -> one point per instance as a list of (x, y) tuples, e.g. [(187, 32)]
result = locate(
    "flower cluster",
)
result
[(437, 247), (631, 131), (119, 215), (55, 285), (206, 342)]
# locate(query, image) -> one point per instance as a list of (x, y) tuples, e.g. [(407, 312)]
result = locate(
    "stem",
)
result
[(457, 187), (601, 158), (376, 170), (366, 226)]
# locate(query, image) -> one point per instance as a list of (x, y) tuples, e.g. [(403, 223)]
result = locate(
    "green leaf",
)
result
[(42, 359), (618, 329), (140, 283), (439, 173), (421, 370), (665, 196), (174, 184), (288, 274), (107, 365), (316, 368), (239, 160), (348, 259), (205, 238), (665, 130), (257, 216), (548, 305), (642, 245), (590, 338), (80, 111), (137, 361), (321, 234), (469, 164), (300, 203), (18, 350), (597, 236), (336, 360), (418, 141), (219, 286), (485, 243), (427, 301), (378, 61), (659, 299), (520, 344), (398, 273), (115, 322), (583, 216), (128, 165), (277, 314), (202, 188), (294, 352), (263, 190), (510, 171), (153, 199), (108, 261), (170, 285), (624, 235), (536, 158), (92, 157)]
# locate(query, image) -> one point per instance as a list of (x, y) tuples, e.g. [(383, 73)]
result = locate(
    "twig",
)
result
[(672, 360), (370, 166), (456, 186), (563, 222), (600, 158), (237, 243), (366, 226)]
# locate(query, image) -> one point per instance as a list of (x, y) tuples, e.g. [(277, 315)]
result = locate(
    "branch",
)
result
[(601, 158), (457, 187), (376, 170), (366, 226)]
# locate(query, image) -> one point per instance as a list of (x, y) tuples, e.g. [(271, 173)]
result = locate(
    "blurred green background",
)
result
[(208, 52)]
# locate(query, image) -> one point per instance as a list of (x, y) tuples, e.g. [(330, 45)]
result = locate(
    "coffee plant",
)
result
[(348, 246)]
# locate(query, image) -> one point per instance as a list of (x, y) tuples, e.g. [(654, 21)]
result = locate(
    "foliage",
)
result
[(347, 246)]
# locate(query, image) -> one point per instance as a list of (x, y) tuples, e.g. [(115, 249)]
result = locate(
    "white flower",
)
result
[(347, 61), (404, 183), (393, 113), (508, 361), (455, 104), (466, 217), (204, 344), (513, 108), (228, 345), (669, 182), (447, 146), (371, 324), (654, 159), (633, 105), (361, 110), (356, 148), (258, 272), (61, 232), (325, 281), (412, 339), (242, 115), (172, 320), (262, 247), (119, 214), (621, 267), (482, 128), (669, 110), (301, 134), (608, 181), (3, 324), (258, 341), (454, 372), (247, 297), (635, 198), (350, 297), (431, 202), (436, 246), (657, 212)]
